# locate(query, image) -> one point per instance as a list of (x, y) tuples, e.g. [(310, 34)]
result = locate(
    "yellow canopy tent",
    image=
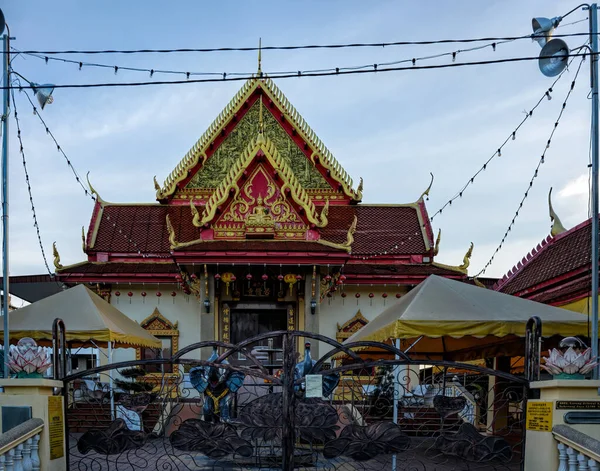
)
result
[(88, 318), (443, 318)]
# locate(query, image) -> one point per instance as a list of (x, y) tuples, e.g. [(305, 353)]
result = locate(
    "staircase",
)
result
[(84, 416)]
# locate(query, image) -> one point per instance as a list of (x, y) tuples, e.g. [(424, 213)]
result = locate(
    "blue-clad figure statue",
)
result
[(305, 367), (217, 385)]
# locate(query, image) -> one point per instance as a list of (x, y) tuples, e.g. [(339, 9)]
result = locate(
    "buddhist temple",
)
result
[(257, 228)]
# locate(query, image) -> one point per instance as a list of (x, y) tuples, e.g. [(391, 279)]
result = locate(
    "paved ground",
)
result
[(158, 455)]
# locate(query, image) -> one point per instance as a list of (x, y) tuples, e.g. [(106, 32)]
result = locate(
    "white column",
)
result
[(583, 465), (593, 464), (19, 457), (562, 457), (572, 459), (27, 455), (35, 456), (10, 460), (2, 462)]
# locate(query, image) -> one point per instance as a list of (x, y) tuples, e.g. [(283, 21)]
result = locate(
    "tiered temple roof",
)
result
[(259, 187)]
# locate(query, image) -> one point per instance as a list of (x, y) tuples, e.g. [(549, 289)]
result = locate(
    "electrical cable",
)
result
[(28, 183), (305, 46), (498, 153), (374, 69), (535, 174)]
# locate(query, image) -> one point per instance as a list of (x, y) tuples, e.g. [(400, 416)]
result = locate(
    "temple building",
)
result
[(558, 270), (257, 228)]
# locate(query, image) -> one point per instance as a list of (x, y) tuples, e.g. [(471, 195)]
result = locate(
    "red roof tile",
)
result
[(551, 259), (378, 229), (401, 269), (99, 268)]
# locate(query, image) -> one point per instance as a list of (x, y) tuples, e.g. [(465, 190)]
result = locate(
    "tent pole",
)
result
[(110, 384), (396, 396)]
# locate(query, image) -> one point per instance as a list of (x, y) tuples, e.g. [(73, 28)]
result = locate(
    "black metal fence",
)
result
[(274, 409)]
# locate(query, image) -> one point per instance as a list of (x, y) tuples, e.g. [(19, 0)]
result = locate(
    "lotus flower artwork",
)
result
[(27, 360), (571, 360)]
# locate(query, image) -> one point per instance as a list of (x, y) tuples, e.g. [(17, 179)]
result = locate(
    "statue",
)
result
[(217, 385), (27, 360), (304, 367), (571, 360), (260, 215)]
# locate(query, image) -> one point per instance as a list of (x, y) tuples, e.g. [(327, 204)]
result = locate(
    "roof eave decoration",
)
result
[(462, 268), (229, 185), (426, 192), (436, 249), (347, 246), (478, 283), (92, 189), (557, 226), (57, 263), (173, 243), (325, 157)]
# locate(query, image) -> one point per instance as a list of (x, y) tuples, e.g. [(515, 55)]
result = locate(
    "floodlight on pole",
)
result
[(554, 57), (43, 93), (543, 28), (553, 60)]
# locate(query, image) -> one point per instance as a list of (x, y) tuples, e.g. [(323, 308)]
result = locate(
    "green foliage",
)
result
[(134, 372), (134, 386)]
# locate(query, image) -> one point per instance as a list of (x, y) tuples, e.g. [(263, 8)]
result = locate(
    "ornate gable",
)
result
[(207, 164), (350, 327), (157, 324)]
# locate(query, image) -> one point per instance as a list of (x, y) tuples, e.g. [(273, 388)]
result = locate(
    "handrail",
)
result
[(19, 446), (587, 448), (19, 434)]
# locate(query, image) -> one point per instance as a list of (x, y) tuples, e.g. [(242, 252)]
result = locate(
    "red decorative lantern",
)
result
[(178, 277), (371, 296), (280, 277), (327, 278), (342, 278), (398, 295), (233, 278), (159, 294), (265, 277), (173, 294), (249, 276), (143, 293), (217, 277), (193, 277), (357, 296), (384, 296), (117, 293), (130, 294), (299, 277), (343, 297), (217, 280)]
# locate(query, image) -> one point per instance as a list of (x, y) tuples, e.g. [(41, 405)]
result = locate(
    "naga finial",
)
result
[(325, 213), (171, 231), (436, 249), (426, 192), (359, 190), (557, 227), (195, 214), (83, 243), (466, 259), (57, 263), (92, 189), (351, 231)]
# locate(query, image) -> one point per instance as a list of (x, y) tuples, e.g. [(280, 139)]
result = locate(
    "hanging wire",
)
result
[(306, 46), (98, 201), (535, 173), (28, 183), (373, 68), (498, 153), (154, 71)]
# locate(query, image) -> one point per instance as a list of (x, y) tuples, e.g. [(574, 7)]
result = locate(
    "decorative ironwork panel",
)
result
[(356, 413)]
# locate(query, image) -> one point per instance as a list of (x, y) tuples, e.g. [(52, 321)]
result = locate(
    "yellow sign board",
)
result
[(539, 416), (56, 429)]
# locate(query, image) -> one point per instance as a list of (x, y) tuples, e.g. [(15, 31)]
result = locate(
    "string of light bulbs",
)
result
[(535, 173), (373, 69), (95, 199), (547, 96), (36, 224), (305, 46), (156, 71)]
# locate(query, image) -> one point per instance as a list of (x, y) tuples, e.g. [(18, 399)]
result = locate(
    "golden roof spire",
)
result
[(259, 57), (557, 227), (261, 124), (57, 263), (436, 249)]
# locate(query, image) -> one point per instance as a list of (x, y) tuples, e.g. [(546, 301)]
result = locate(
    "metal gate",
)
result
[(271, 408)]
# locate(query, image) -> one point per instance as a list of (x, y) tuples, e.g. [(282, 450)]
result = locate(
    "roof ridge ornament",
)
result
[(195, 214), (92, 189), (436, 249), (359, 190), (261, 123), (347, 246), (325, 213), (426, 192), (171, 231), (57, 263), (467, 259), (557, 226), (157, 188), (259, 71), (478, 283), (83, 242)]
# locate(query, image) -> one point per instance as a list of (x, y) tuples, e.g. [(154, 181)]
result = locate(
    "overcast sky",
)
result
[(392, 129)]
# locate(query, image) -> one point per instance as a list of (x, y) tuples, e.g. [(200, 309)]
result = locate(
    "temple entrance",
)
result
[(248, 323)]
